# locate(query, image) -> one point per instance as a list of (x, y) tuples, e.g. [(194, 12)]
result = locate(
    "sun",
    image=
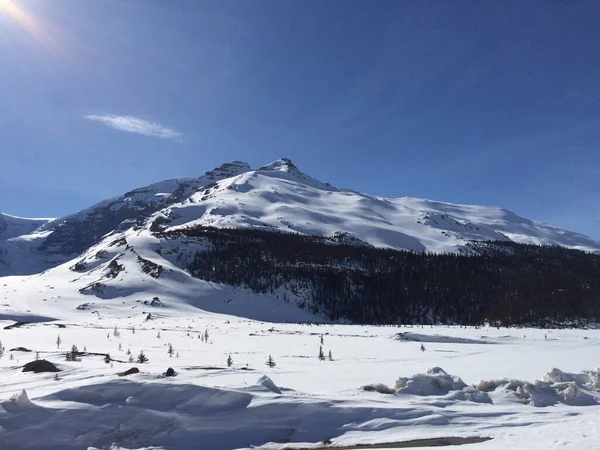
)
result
[(35, 28)]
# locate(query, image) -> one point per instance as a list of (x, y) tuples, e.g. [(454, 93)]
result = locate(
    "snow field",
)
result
[(304, 400)]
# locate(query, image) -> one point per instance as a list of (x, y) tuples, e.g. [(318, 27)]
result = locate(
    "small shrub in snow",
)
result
[(330, 356), (206, 335), (120, 347), (321, 354), (72, 355), (58, 341), (130, 360), (142, 358), (116, 332), (158, 335), (229, 361), (271, 362)]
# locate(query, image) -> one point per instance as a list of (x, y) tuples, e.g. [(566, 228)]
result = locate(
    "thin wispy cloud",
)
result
[(133, 124)]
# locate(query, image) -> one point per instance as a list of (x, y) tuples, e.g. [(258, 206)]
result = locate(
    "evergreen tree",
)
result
[(321, 354), (229, 361), (330, 356), (170, 351), (142, 358), (58, 341), (270, 362)]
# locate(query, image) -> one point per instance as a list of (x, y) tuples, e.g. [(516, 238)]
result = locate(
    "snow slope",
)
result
[(13, 226), (504, 390), (280, 197)]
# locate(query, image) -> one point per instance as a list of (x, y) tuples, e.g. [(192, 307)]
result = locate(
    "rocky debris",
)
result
[(152, 269), (79, 266), (114, 269), (101, 254), (96, 287), (118, 242), (15, 325), (155, 302), (40, 366)]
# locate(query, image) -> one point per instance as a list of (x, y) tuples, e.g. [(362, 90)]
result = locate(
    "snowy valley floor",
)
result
[(304, 402)]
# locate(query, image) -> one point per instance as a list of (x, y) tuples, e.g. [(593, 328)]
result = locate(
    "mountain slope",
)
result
[(62, 239), (13, 226), (277, 197), (280, 197)]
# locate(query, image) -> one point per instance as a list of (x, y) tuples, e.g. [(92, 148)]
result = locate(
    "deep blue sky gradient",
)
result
[(485, 102)]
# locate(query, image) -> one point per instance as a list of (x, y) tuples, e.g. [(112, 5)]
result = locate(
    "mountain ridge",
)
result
[(278, 197)]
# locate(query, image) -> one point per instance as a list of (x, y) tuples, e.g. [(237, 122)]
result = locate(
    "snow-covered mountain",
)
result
[(278, 197), (13, 226)]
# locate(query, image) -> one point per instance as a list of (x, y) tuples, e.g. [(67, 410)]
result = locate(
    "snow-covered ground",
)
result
[(486, 386)]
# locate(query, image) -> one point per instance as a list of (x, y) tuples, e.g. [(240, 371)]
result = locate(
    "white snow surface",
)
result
[(507, 390), (280, 197)]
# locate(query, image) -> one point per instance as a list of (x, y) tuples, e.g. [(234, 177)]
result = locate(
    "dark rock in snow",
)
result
[(129, 372), (40, 366), (20, 349)]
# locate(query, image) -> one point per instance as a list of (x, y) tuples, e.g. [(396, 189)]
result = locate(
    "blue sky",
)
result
[(487, 102)]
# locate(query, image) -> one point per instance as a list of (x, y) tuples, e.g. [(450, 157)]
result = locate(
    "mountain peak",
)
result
[(285, 168), (281, 165), (228, 169)]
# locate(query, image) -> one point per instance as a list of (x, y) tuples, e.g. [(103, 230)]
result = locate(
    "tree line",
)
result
[(499, 282)]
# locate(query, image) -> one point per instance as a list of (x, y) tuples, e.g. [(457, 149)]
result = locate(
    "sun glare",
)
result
[(34, 27)]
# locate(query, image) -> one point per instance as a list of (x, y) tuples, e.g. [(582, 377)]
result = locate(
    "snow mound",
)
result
[(555, 387), (416, 337), (268, 384), (435, 382), (20, 399)]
